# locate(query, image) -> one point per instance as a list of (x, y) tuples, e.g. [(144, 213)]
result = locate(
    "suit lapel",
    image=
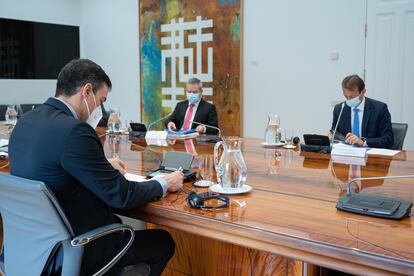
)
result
[(199, 108), (346, 119), (365, 118)]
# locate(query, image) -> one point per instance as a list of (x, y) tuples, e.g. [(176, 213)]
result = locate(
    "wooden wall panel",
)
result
[(201, 256)]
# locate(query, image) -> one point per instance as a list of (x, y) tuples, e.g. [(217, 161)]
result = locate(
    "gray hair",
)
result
[(196, 81)]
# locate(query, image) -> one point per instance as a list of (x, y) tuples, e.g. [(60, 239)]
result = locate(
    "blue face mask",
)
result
[(193, 98), (354, 102)]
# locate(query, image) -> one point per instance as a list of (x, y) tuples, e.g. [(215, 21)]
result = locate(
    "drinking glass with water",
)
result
[(11, 115)]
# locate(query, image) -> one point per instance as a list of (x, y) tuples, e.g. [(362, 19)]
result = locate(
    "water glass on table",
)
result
[(11, 115), (289, 133)]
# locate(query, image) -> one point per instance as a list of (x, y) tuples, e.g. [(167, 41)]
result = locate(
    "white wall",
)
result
[(110, 38), (287, 65), (287, 47), (48, 11)]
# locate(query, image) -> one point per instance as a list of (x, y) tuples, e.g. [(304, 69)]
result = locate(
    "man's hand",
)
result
[(118, 165), (353, 140), (174, 181), (201, 129), (171, 126)]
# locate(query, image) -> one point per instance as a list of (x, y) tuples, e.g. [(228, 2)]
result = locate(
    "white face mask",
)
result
[(96, 114), (354, 102)]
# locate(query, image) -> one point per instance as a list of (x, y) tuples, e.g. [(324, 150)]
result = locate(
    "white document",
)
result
[(349, 160), (156, 135), (4, 142), (385, 152), (157, 138), (348, 150), (135, 177), (3, 153)]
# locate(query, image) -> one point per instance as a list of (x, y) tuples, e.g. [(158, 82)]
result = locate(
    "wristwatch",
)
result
[(364, 140)]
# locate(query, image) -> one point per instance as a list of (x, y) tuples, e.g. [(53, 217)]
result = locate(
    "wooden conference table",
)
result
[(289, 220)]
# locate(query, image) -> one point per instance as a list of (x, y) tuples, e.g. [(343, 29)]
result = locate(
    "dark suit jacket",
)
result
[(376, 123), (50, 145), (206, 114)]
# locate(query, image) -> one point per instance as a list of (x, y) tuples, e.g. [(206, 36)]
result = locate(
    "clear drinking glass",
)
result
[(205, 167), (289, 137), (114, 120), (11, 115), (272, 132)]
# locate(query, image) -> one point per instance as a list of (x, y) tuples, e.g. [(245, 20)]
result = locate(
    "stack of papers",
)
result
[(385, 152), (157, 138), (348, 150), (182, 134)]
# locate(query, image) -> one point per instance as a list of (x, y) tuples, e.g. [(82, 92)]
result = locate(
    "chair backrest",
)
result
[(400, 131), (27, 107), (3, 109), (33, 223)]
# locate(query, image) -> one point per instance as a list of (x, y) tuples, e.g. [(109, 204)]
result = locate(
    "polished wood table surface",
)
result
[(290, 212)]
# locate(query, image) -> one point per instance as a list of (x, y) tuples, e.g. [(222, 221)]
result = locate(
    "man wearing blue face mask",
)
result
[(194, 109), (364, 121), (56, 143)]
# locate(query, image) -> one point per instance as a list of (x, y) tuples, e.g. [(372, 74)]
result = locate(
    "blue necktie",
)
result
[(355, 128)]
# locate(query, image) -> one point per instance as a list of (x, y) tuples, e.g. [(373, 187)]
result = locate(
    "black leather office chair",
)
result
[(27, 107), (3, 109), (400, 131)]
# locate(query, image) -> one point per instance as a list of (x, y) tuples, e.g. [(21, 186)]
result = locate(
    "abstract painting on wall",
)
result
[(180, 39)]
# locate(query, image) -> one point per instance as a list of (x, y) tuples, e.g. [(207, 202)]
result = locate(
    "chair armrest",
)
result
[(83, 239)]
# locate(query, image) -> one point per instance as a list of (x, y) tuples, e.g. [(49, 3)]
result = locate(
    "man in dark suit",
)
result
[(194, 109), (57, 144), (364, 121)]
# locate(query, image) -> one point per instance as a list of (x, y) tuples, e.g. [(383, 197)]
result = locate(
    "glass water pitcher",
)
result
[(273, 133), (114, 120), (230, 166)]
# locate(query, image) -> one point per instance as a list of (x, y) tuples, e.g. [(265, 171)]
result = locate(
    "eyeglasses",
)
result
[(193, 92)]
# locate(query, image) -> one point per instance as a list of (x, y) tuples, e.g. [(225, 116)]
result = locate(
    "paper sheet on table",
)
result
[(3, 153), (348, 150), (135, 177), (4, 142), (385, 152)]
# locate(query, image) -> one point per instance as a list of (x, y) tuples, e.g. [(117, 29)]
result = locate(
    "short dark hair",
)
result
[(353, 81), (79, 72), (196, 81)]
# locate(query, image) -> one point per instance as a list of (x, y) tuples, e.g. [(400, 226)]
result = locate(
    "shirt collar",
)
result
[(68, 106), (361, 106)]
